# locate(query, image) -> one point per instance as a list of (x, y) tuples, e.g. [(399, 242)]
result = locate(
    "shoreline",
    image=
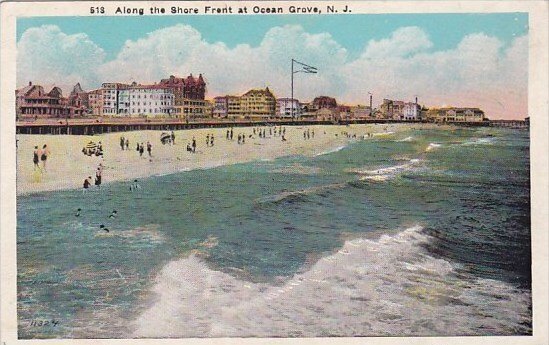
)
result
[(67, 166)]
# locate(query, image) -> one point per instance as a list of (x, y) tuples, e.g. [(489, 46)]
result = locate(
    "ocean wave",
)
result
[(479, 141), (336, 149), (385, 173), (297, 193), (432, 146), (406, 139), (297, 169), (369, 287)]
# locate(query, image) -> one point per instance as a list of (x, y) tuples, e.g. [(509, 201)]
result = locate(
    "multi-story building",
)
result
[(411, 111), (189, 96), (288, 108), (110, 93), (322, 102), (454, 114), (33, 102), (79, 101), (221, 107), (234, 109), (361, 112), (145, 100), (258, 103), (95, 101)]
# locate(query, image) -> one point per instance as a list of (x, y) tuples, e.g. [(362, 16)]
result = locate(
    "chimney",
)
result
[(416, 100), (30, 83)]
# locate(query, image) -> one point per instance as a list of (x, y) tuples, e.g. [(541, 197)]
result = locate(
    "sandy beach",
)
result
[(67, 166)]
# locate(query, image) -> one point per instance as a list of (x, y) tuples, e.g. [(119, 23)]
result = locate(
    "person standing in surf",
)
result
[(36, 158), (44, 156)]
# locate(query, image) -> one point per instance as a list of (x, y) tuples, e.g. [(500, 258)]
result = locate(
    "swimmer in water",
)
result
[(102, 227), (78, 212), (113, 214)]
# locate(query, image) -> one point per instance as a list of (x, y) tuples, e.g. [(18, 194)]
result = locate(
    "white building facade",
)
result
[(146, 100), (285, 106), (411, 111)]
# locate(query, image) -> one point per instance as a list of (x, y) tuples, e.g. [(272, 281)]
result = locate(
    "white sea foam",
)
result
[(385, 173), (432, 146), (336, 149), (406, 139), (479, 141), (387, 286)]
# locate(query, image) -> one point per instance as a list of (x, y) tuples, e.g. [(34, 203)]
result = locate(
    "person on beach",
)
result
[(122, 142), (44, 156), (99, 149), (149, 148), (173, 138), (313, 133), (239, 139), (243, 138), (137, 147), (227, 137), (141, 150), (194, 145), (134, 186), (212, 140), (127, 144), (231, 133), (36, 158), (189, 147), (208, 139), (87, 184), (283, 137), (98, 174)]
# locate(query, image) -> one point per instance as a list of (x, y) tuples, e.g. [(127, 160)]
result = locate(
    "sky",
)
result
[(477, 60)]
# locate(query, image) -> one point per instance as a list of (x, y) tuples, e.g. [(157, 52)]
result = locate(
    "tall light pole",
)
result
[(305, 69), (371, 109)]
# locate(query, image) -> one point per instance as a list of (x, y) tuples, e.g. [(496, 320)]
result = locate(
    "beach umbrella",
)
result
[(91, 145)]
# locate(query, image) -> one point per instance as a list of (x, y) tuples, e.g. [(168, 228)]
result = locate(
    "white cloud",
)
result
[(479, 71), (48, 56)]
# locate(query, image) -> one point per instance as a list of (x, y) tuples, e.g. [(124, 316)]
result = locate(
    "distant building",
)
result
[(455, 114), (33, 102), (220, 107), (288, 108), (145, 100), (322, 102), (95, 102), (400, 110), (258, 103), (79, 101), (411, 111), (110, 93), (189, 95), (361, 112), (234, 109)]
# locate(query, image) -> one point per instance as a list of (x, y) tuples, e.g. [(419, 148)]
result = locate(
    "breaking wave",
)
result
[(369, 287), (432, 146), (336, 149)]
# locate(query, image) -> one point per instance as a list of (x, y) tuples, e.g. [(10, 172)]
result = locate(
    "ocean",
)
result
[(424, 232)]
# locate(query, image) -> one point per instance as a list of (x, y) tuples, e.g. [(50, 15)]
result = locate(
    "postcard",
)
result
[(274, 172)]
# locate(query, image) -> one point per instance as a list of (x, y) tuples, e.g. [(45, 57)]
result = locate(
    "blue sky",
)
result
[(351, 31), (477, 60)]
